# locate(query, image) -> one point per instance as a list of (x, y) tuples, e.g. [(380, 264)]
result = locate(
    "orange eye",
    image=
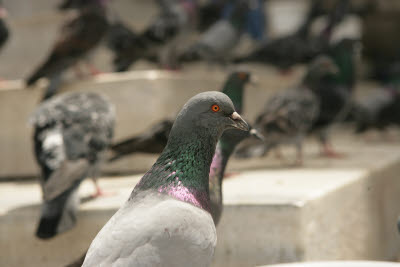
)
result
[(215, 108)]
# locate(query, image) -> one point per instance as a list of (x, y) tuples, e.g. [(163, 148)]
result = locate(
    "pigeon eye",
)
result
[(215, 108)]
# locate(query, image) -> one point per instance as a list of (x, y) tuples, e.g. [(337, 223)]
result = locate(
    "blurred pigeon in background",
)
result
[(217, 43), (78, 37), (301, 46), (4, 31), (127, 45), (335, 92), (289, 115), (165, 34), (166, 220), (72, 131), (234, 88), (159, 41)]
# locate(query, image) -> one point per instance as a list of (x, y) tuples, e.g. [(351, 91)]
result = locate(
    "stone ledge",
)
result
[(336, 212)]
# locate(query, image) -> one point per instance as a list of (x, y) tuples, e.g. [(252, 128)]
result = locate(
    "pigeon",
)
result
[(127, 45), (176, 20), (158, 41), (221, 38), (166, 220), (79, 36), (378, 110), (4, 31), (156, 139), (289, 115), (335, 92), (71, 133), (171, 19), (299, 47)]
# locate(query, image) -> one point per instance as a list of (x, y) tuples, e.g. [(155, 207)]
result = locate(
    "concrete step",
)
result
[(344, 209), (141, 98)]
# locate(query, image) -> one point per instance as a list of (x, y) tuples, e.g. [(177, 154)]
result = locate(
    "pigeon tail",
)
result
[(152, 141), (58, 215), (33, 78)]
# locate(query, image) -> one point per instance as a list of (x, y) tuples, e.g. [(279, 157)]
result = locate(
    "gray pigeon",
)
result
[(166, 221), (71, 133), (216, 43), (289, 115)]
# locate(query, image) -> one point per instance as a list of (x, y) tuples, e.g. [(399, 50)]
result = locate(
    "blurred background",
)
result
[(335, 201)]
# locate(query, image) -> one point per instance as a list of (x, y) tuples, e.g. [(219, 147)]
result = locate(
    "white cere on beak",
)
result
[(235, 116)]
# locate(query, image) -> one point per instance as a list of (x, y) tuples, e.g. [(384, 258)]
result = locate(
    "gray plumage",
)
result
[(71, 133), (167, 221), (287, 117), (217, 43), (290, 115)]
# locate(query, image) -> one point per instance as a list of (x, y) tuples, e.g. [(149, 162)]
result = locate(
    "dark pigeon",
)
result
[(167, 218), (299, 47), (71, 133), (171, 27), (4, 31), (127, 46), (158, 41), (78, 37), (234, 88), (335, 92)]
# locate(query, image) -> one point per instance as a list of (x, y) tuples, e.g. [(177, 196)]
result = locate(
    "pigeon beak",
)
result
[(257, 134), (238, 122)]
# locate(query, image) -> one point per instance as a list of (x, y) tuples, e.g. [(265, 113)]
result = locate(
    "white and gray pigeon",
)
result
[(166, 221), (71, 132)]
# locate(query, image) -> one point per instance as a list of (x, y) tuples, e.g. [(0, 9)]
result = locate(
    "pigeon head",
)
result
[(207, 114)]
